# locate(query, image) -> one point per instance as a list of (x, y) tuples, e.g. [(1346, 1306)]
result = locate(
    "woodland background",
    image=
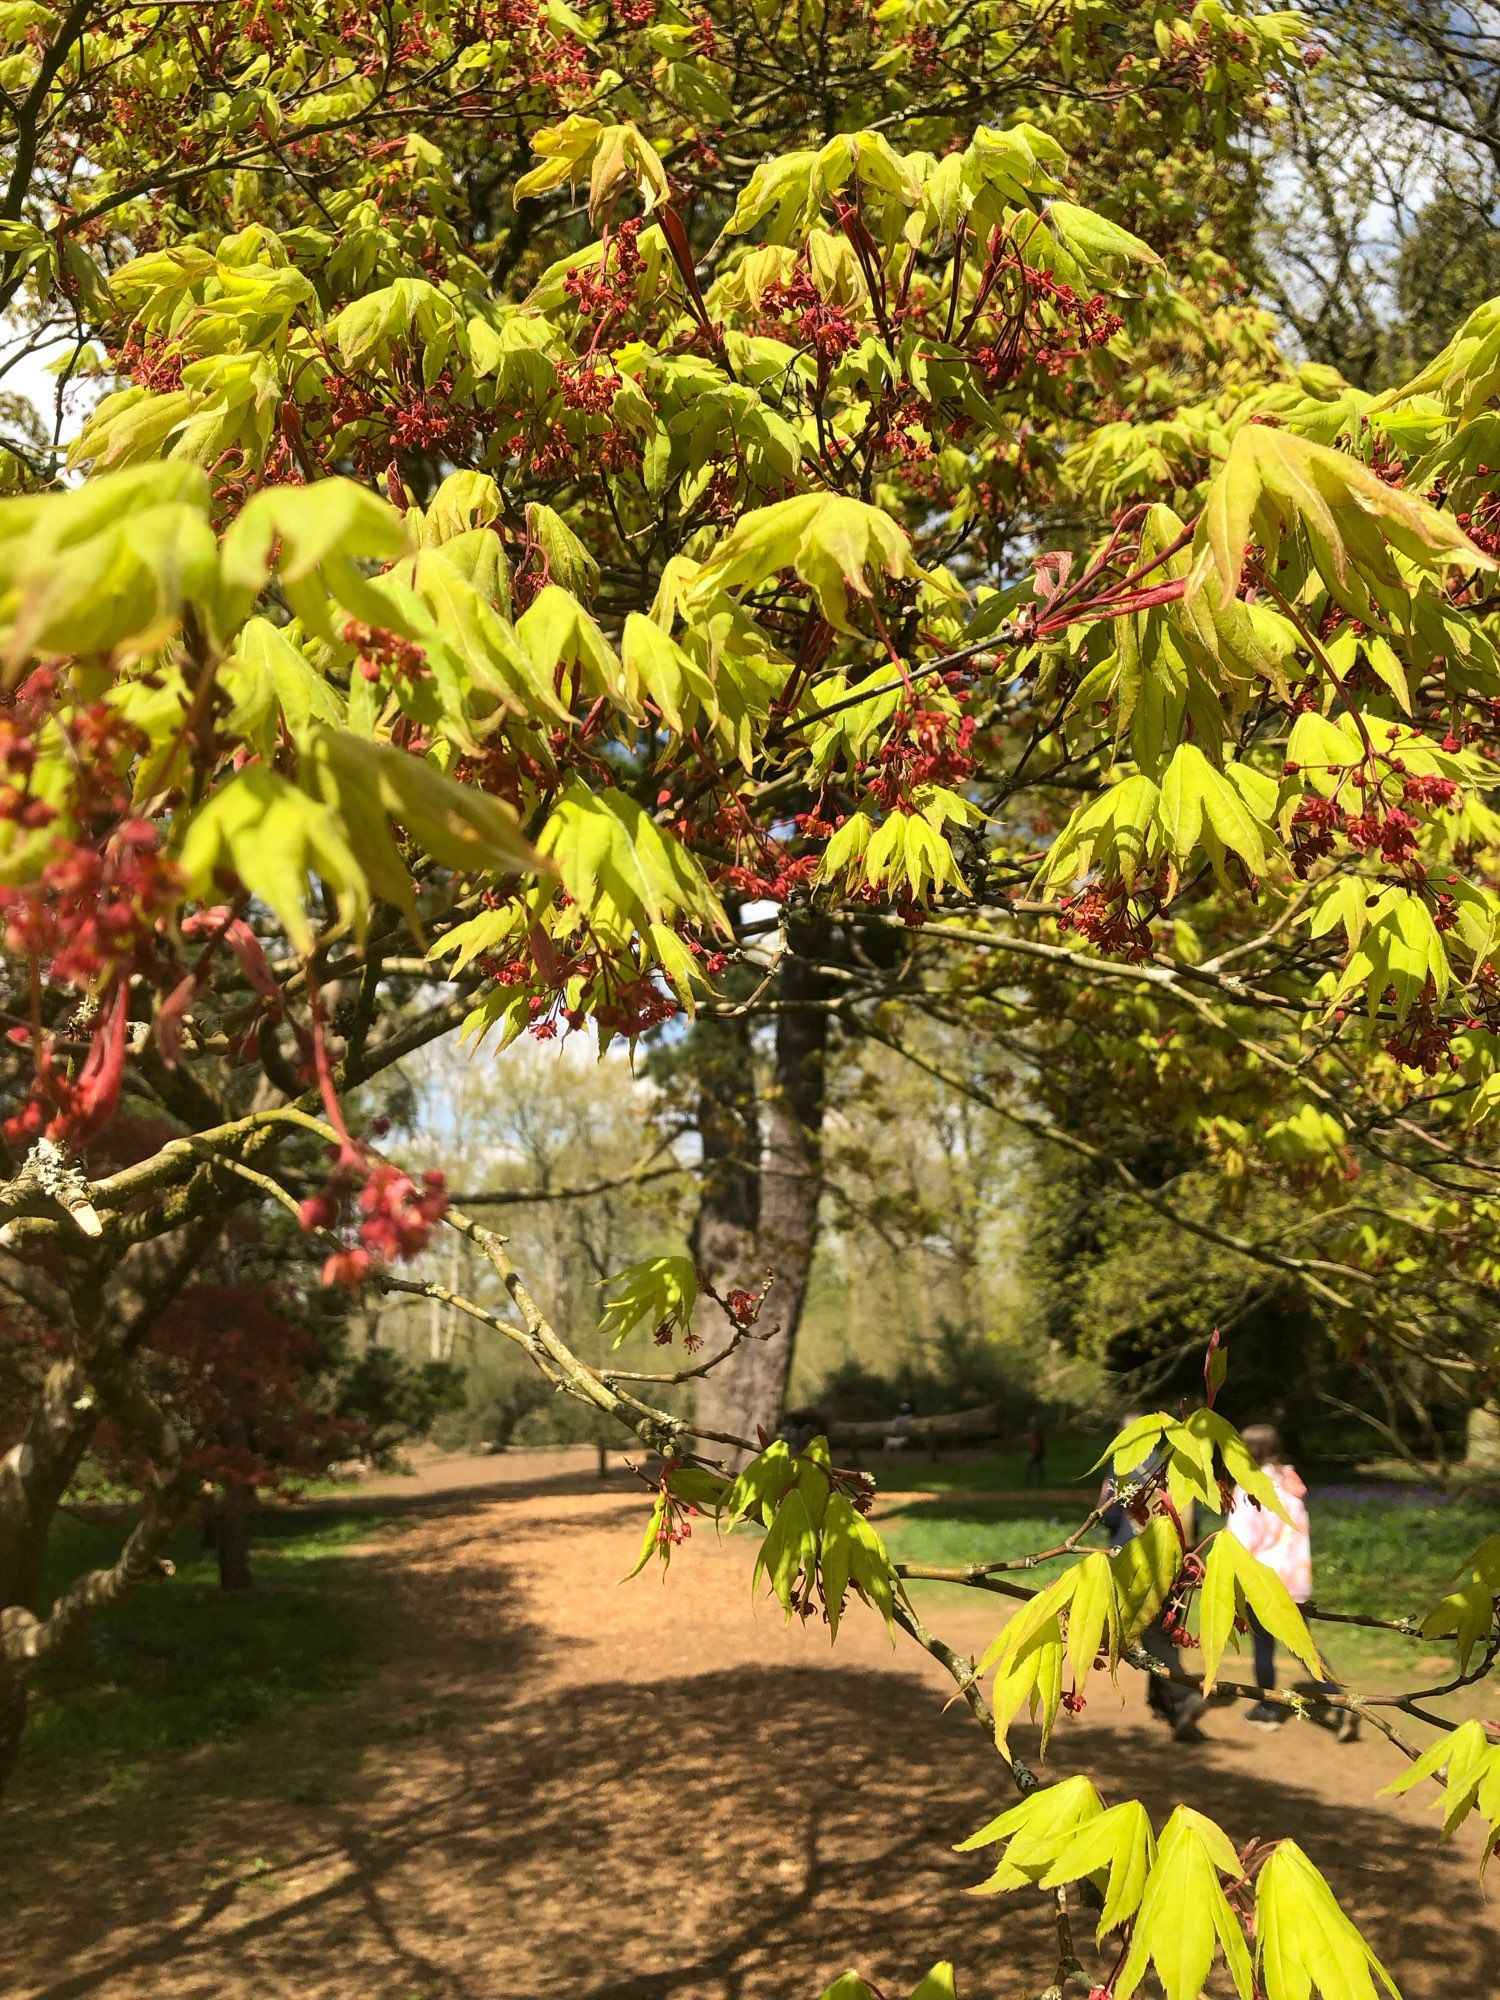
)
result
[(927, 1242), (956, 1264)]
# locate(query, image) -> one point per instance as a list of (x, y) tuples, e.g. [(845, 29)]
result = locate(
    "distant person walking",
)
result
[(1285, 1547), (1035, 1473), (1178, 1706), (898, 1437), (800, 1427)]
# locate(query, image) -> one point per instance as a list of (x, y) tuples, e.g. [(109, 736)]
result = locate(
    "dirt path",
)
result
[(570, 1788)]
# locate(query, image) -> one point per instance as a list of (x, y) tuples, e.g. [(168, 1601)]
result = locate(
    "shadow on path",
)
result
[(513, 1824), (725, 1837)]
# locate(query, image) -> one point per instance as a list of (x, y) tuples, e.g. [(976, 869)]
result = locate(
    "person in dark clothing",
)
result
[(800, 1427), (1035, 1473), (1178, 1706)]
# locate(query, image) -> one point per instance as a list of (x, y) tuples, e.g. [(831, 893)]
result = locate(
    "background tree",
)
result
[(578, 1162), (1379, 231)]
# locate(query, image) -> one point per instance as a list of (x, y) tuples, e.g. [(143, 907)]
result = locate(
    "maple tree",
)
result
[(256, 1383), (232, 1370), (755, 514)]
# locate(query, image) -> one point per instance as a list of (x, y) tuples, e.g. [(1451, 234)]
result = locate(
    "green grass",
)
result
[(950, 1532), (990, 1470), (1369, 1556), (1384, 1556), (180, 1664)]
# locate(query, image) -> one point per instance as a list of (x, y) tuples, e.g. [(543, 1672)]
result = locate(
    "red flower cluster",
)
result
[(150, 360), (97, 911), (397, 1216), (924, 746), (1379, 827), (714, 962), (1110, 921), (1436, 792), (826, 329), (608, 287), (380, 651), (744, 1305), (587, 388), (899, 434), (93, 914), (1394, 833), (1481, 523), (1036, 329), (82, 1104), (674, 1525), (924, 53), (779, 878), (409, 416), (635, 1008), (1314, 826), (626, 1007), (1423, 1041)]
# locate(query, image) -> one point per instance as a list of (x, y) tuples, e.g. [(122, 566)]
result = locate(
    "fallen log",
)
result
[(943, 1428)]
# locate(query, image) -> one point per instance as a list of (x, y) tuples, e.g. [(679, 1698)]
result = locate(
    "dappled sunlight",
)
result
[(543, 1738)]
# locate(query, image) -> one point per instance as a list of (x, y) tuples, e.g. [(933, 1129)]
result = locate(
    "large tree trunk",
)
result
[(33, 1477), (232, 1538), (728, 1219), (13, 1705), (746, 1393), (108, 1322), (1483, 1442)]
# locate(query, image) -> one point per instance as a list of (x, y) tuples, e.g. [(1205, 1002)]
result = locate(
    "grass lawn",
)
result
[(991, 1470), (181, 1667), (1380, 1554)]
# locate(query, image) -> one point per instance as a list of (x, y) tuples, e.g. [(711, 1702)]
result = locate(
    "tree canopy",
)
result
[(603, 519)]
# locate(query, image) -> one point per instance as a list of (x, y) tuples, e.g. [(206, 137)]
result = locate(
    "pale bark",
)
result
[(1483, 1443), (728, 1219), (768, 1218)]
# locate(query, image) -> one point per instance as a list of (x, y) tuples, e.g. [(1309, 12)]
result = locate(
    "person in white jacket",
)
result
[(1285, 1547)]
